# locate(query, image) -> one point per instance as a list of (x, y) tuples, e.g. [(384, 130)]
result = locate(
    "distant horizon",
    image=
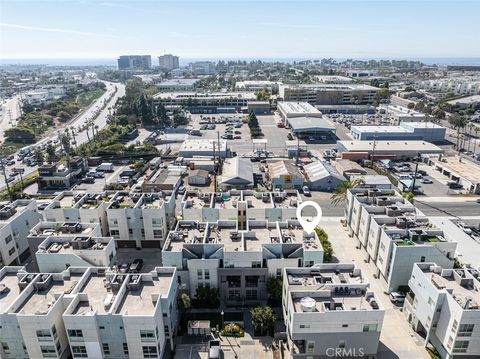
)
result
[(109, 61)]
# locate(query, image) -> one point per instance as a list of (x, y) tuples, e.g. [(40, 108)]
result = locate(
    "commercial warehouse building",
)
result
[(424, 131), (304, 127), (398, 114), (203, 147), (358, 150), (290, 109), (329, 94)]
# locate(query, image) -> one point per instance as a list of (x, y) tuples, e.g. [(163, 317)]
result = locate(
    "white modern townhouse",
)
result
[(444, 305), (16, 220), (329, 311), (87, 313), (219, 244), (140, 219), (394, 235)]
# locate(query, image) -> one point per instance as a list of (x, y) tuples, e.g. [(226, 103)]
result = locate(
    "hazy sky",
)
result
[(229, 28)]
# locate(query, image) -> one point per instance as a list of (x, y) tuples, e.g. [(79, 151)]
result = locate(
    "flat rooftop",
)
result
[(10, 281), (290, 107), (260, 236), (462, 286), (67, 201), (228, 236), (258, 201), (9, 210), (141, 301), (98, 295), (39, 302), (390, 146), (185, 233), (227, 200), (330, 303), (459, 167), (197, 200), (317, 276)]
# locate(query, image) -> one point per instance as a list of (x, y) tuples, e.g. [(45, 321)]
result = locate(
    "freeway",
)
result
[(10, 112), (77, 122)]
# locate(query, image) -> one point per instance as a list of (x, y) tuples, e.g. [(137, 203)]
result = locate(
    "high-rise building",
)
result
[(168, 62), (126, 62)]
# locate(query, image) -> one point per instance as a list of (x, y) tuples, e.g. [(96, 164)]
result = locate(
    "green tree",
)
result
[(263, 320), (20, 134), (206, 297), (185, 302), (179, 120), (263, 94), (326, 245), (38, 155), (274, 290), (340, 193), (51, 155), (458, 122), (409, 196), (252, 120)]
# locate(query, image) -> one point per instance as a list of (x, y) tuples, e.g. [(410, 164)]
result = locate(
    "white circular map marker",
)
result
[(309, 223)]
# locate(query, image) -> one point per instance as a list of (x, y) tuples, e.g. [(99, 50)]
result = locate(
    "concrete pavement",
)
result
[(397, 338)]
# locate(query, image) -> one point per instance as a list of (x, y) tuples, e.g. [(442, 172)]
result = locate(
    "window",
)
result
[(166, 329), (125, 348), (199, 274), (8, 239), (113, 222), (11, 251), (450, 342), (114, 232), (344, 325), (465, 330), (150, 352), (304, 326), (460, 346), (256, 264), (130, 231), (279, 272), (157, 222), (147, 335), (454, 325), (44, 335), (48, 351), (310, 347), (251, 294), (79, 351), (6, 348), (370, 327), (422, 259), (75, 335), (309, 263), (157, 233), (341, 344), (207, 274), (106, 348)]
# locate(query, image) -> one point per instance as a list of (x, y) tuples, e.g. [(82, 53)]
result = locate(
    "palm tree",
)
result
[(457, 122), (340, 193), (476, 129)]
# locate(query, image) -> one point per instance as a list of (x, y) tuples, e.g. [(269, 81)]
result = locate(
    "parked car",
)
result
[(454, 185), (137, 265), (306, 191), (88, 180), (397, 297), (426, 181), (181, 190), (464, 227), (124, 268)]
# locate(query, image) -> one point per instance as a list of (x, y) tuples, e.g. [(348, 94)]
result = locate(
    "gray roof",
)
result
[(318, 170), (237, 168), (310, 124)]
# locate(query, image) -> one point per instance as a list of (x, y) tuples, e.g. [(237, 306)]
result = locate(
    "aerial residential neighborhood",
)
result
[(226, 179)]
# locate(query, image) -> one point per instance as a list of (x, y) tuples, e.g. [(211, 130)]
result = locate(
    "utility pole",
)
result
[(298, 151), (215, 169), (6, 182), (372, 157)]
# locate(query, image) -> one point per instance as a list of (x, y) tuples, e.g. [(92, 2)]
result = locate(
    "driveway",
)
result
[(397, 339)]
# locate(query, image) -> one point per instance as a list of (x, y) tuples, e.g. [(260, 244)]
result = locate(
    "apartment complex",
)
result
[(168, 62), (132, 219), (462, 85), (443, 304), (16, 220), (394, 235), (134, 62), (329, 94), (329, 311), (87, 313), (235, 241)]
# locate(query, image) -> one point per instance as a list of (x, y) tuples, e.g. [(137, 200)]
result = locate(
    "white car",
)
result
[(306, 191), (397, 297), (464, 227)]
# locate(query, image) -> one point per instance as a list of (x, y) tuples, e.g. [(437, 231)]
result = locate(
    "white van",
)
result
[(138, 186)]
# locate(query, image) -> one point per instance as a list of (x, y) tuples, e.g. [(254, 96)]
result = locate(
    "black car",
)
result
[(137, 265)]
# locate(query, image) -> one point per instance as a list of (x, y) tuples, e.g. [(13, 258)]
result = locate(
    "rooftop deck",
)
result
[(315, 277), (99, 296), (186, 232), (141, 301), (8, 284), (198, 201), (462, 286), (333, 303), (228, 236), (39, 302), (260, 236)]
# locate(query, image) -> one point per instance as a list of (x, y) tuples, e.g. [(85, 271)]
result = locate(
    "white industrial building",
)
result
[(16, 220), (394, 235), (203, 148), (177, 84), (398, 114), (322, 176), (257, 85), (289, 109), (87, 313), (444, 306), (330, 311), (235, 241), (237, 173), (408, 131)]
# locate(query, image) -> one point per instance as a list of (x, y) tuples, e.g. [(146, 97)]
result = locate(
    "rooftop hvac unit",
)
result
[(308, 304)]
